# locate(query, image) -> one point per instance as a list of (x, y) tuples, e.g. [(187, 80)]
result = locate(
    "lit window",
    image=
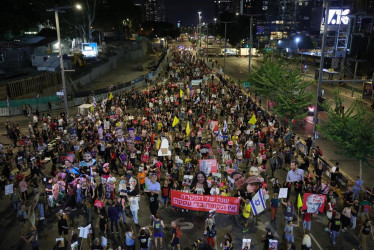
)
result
[(264, 7)]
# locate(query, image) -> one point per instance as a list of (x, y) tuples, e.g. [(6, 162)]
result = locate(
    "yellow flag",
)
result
[(249, 94), (92, 108), (158, 143), (110, 96), (299, 202), (188, 128), (253, 120), (175, 121), (181, 93)]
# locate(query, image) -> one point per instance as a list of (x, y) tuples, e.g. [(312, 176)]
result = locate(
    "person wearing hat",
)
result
[(252, 184)]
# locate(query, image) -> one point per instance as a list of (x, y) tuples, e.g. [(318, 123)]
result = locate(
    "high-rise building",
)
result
[(222, 6), (155, 10)]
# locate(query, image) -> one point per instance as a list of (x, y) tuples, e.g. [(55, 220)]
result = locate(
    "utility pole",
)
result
[(224, 53), (320, 76), (250, 45)]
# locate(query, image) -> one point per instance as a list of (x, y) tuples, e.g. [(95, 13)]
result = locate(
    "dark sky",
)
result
[(186, 11)]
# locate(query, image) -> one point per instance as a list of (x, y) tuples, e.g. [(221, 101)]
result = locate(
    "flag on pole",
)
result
[(188, 129), (299, 202), (158, 143), (197, 100), (253, 120), (258, 203), (224, 127), (175, 121), (110, 96), (249, 94), (94, 102), (181, 93)]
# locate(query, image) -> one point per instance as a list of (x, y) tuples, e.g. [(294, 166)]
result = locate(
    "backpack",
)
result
[(178, 233)]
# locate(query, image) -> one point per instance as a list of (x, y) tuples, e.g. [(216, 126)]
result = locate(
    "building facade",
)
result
[(155, 10)]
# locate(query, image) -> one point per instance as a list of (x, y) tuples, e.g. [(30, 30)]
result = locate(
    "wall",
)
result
[(137, 83)]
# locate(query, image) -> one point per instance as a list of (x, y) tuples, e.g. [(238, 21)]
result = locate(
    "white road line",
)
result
[(318, 245)]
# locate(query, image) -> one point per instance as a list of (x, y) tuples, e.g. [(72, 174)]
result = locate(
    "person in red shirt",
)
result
[(248, 154), (307, 222)]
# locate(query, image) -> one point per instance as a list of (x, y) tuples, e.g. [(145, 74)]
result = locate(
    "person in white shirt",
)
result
[(214, 190)]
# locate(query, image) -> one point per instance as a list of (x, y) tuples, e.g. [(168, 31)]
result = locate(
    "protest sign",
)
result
[(205, 203), (9, 189), (208, 166), (314, 203), (283, 193)]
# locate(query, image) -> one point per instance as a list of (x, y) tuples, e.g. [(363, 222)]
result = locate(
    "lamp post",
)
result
[(297, 40), (199, 28), (62, 10), (327, 6)]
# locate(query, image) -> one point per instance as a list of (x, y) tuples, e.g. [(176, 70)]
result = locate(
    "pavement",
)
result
[(192, 223)]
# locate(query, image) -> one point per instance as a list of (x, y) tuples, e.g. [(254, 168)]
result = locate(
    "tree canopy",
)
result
[(284, 85), (352, 129)]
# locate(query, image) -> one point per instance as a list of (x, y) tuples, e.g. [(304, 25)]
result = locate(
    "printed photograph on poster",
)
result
[(313, 203), (230, 183), (9, 189), (246, 244), (273, 244), (187, 180), (208, 166), (283, 193), (216, 177)]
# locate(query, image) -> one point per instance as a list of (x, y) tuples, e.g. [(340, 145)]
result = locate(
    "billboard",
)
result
[(89, 49)]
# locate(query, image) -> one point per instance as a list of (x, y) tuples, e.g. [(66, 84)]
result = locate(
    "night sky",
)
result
[(186, 11)]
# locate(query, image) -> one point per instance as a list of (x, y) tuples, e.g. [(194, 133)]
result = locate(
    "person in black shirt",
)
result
[(103, 223), (268, 236), (335, 226), (144, 237)]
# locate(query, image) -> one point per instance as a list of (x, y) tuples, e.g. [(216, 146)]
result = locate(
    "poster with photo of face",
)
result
[(273, 244), (216, 177), (230, 183), (246, 244), (314, 203), (187, 180)]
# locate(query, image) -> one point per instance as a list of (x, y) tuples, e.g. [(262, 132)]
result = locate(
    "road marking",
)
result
[(318, 245)]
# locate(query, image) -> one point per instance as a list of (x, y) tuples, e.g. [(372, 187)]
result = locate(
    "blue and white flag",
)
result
[(219, 136), (224, 127), (258, 203), (197, 100), (94, 101)]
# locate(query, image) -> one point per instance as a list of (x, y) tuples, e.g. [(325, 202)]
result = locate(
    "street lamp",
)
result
[(62, 10), (199, 28), (297, 40)]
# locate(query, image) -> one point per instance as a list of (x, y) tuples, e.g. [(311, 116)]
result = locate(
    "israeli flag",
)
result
[(258, 203), (224, 127), (197, 100), (219, 136), (94, 101)]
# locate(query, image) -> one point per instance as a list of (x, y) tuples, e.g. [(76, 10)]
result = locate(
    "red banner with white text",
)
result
[(222, 204)]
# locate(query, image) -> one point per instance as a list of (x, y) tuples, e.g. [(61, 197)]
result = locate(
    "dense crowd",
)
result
[(105, 162)]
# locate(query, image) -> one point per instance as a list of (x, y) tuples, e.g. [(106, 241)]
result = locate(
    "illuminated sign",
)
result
[(89, 49), (338, 16)]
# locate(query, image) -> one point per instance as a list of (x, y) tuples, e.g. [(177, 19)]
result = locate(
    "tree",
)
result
[(284, 85), (352, 129)]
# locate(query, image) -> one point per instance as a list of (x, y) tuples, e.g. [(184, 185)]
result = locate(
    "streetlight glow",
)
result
[(78, 6), (297, 39)]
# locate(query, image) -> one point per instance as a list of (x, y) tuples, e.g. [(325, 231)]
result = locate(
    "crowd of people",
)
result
[(103, 164)]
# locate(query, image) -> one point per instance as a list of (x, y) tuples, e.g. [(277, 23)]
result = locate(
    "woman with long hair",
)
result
[(199, 183)]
